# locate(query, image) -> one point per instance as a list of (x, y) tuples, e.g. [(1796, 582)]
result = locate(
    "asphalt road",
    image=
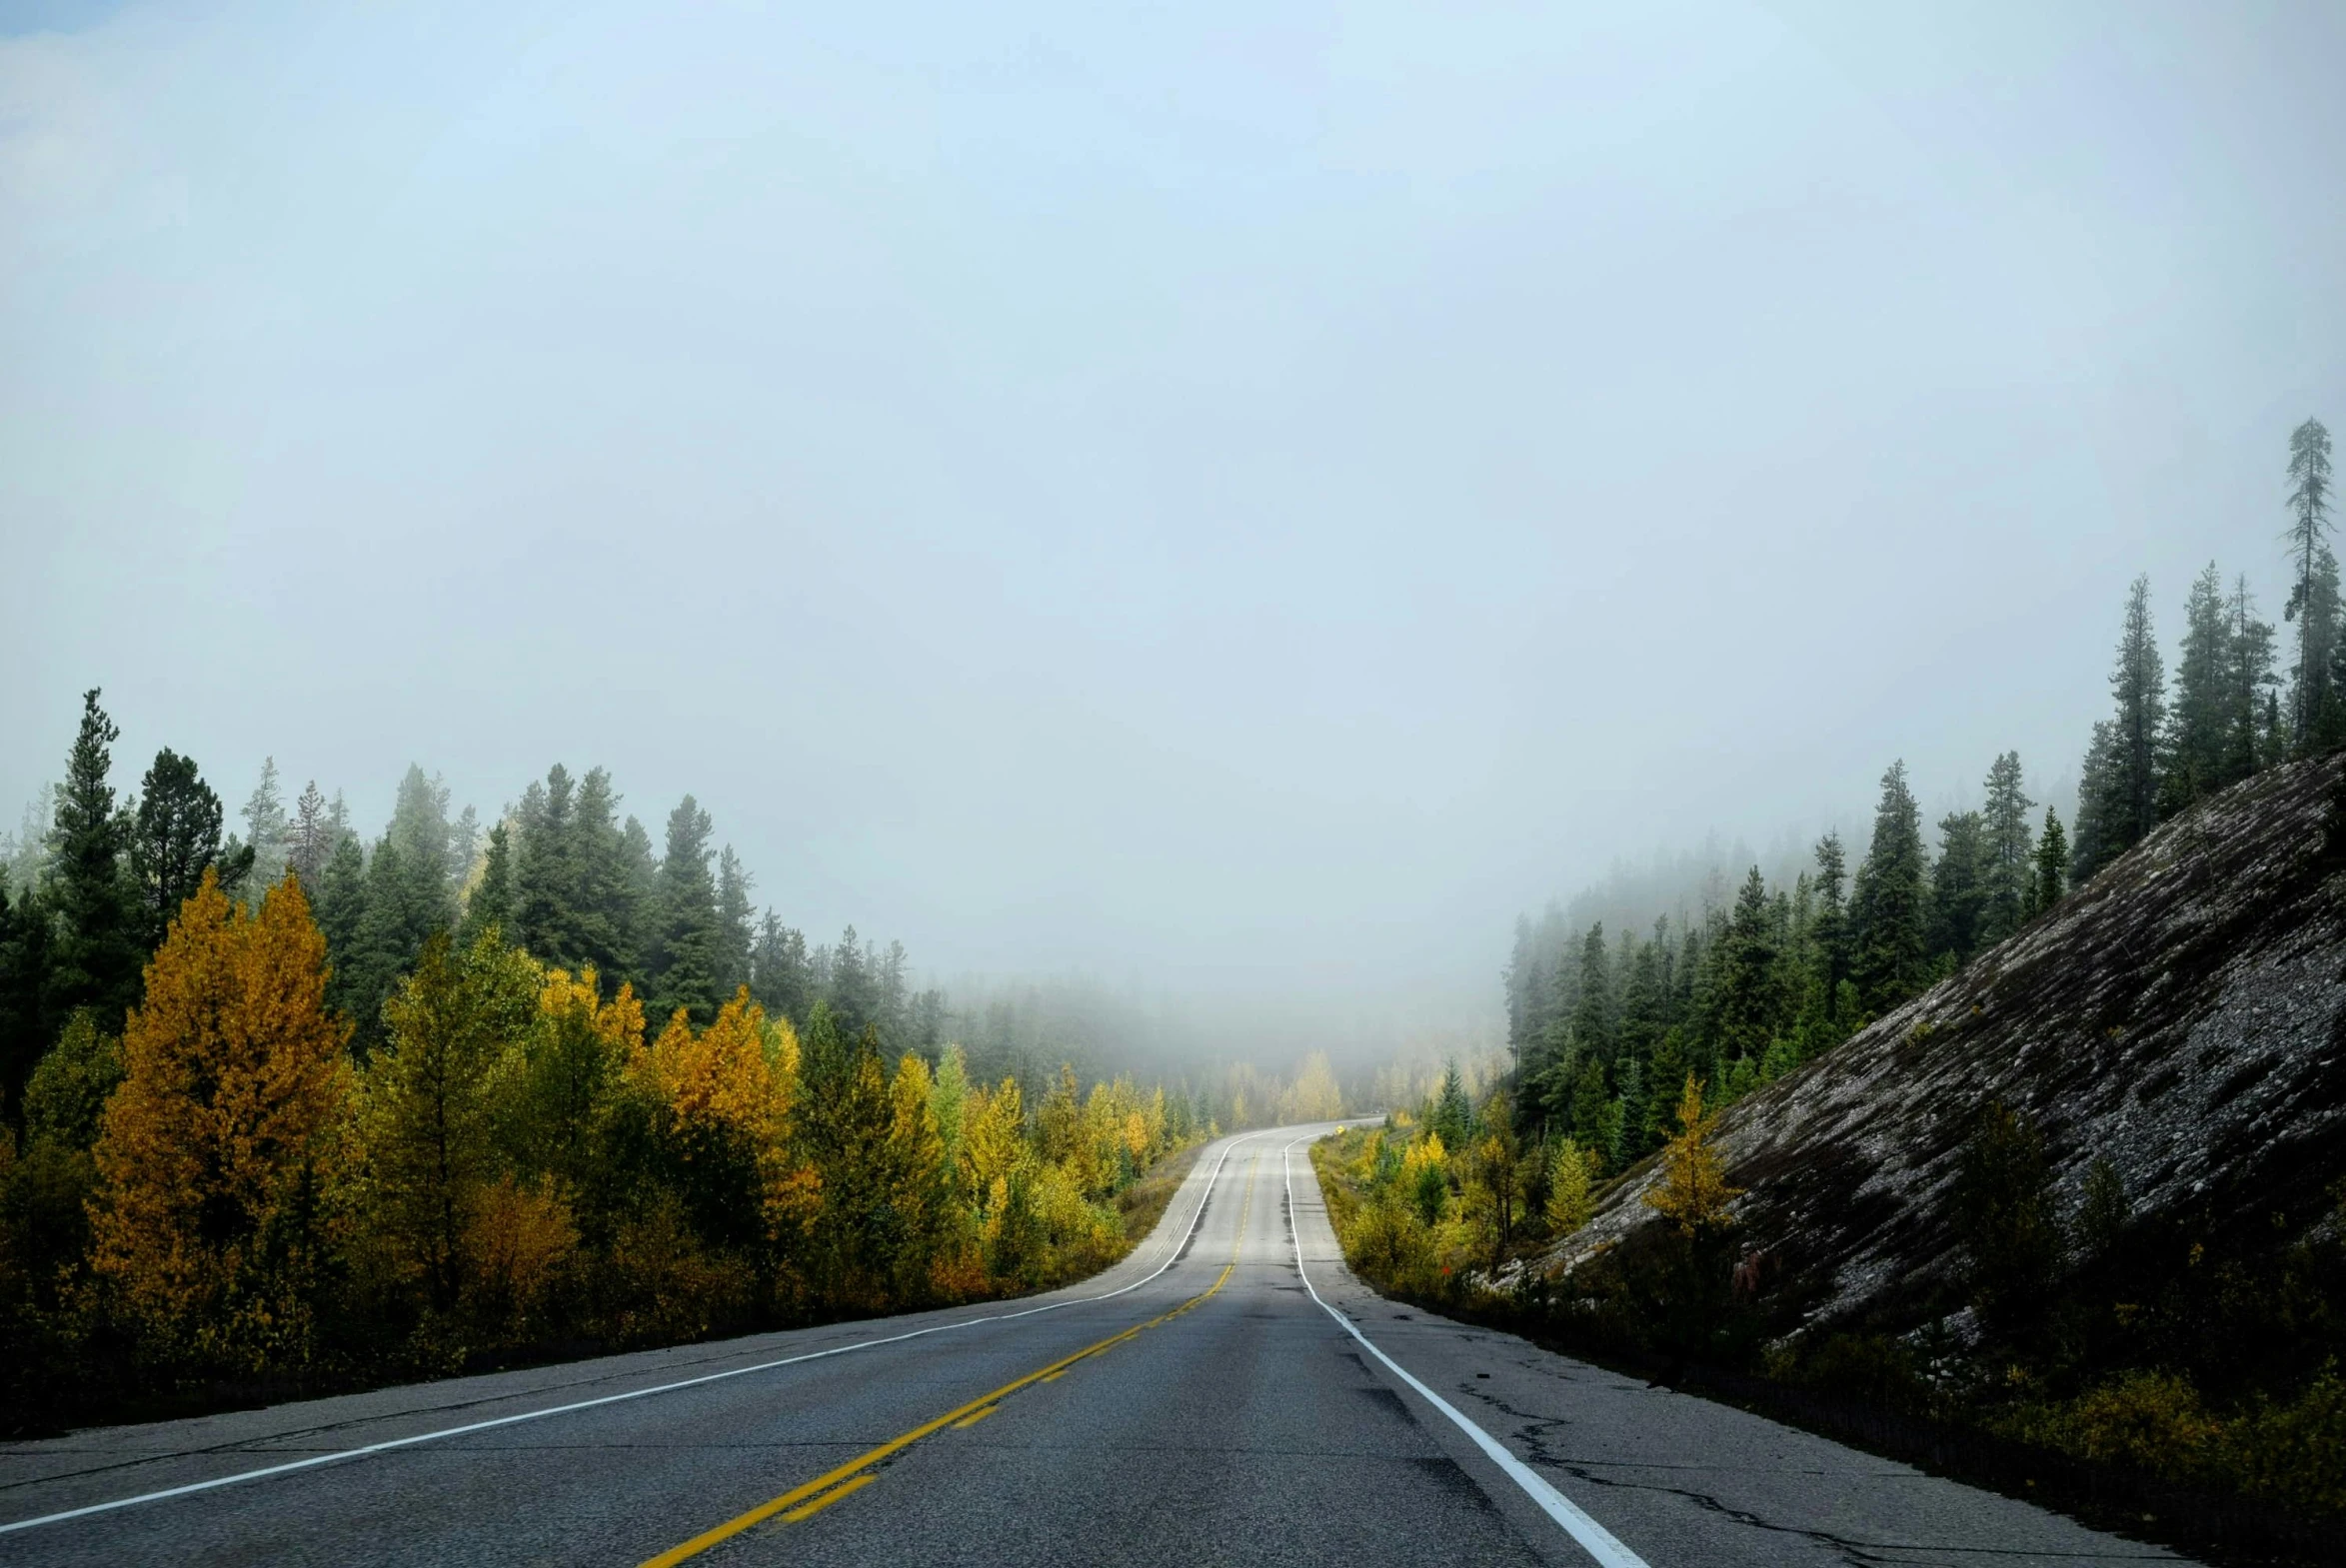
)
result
[(1195, 1404)]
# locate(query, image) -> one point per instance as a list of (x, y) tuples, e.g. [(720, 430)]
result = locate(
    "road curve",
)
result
[(1227, 1394)]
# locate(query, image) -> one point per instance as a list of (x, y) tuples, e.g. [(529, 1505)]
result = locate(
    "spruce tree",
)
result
[(686, 968), (176, 837), (1959, 888), (87, 893), (848, 987), (2138, 683), (544, 875), (342, 909), (2052, 865), (310, 842), (1749, 1011), (778, 970), (2250, 707), (2201, 733), (265, 831), (489, 907), (606, 902), (2313, 593), (2006, 871), (1829, 932), (735, 935), (1888, 961), (427, 852), (2093, 845), (1592, 1020)]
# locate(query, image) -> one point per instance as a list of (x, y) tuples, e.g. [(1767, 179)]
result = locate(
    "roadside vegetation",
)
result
[(2169, 1365), (385, 1115)]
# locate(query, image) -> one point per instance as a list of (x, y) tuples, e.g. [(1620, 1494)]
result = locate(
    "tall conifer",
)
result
[(2313, 590)]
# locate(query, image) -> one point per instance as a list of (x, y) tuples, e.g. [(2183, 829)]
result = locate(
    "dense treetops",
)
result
[(296, 1104)]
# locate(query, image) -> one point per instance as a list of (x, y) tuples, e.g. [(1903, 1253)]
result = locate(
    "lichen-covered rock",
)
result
[(2184, 1015)]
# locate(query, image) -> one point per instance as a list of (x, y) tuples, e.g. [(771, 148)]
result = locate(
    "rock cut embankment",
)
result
[(2184, 1015)]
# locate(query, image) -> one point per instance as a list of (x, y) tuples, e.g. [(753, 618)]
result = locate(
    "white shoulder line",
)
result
[(1594, 1538), (342, 1454)]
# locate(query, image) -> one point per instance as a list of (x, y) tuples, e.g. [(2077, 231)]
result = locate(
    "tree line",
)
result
[(283, 1106), (1604, 1028)]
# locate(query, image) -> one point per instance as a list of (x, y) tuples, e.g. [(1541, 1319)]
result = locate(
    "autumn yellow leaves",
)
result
[(522, 1158)]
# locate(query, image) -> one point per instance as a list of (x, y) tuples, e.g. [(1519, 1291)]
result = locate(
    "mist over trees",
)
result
[(1605, 1024)]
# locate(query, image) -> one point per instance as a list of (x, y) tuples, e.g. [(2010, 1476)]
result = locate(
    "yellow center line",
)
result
[(847, 1477), (827, 1498)]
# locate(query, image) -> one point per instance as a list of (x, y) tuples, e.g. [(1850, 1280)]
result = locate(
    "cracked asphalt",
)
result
[(1211, 1413)]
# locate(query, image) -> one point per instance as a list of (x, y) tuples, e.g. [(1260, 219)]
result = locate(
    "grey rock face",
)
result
[(2184, 1015)]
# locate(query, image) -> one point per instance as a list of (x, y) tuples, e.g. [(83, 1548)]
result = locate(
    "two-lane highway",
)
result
[(1227, 1394)]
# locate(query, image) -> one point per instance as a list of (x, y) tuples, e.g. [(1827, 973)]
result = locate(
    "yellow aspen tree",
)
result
[(217, 1153), (1570, 1202), (1156, 1122), (997, 1140), (727, 1092), (1693, 1191), (1316, 1096)]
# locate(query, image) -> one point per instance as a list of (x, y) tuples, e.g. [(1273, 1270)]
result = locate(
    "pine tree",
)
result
[(87, 893), (218, 1146), (1749, 1008), (2138, 683), (849, 988), (1889, 961), (421, 830), (1592, 1018), (2313, 595), (2052, 867), (1453, 1117), (1959, 888), (2006, 870), (2094, 842), (735, 936), (264, 827), (341, 911), (176, 839), (2200, 736), (311, 841), (685, 969), (2251, 710), (1829, 932), (607, 904), (778, 969), (545, 875), (489, 907)]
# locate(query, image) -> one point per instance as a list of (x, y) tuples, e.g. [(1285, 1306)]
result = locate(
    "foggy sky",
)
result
[(1238, 500)]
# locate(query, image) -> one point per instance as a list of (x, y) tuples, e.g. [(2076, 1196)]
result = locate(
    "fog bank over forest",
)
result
[(1229, 506)]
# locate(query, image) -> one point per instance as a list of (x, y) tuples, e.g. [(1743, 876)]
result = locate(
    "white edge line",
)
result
[(1594, 1538), (340, 1456)]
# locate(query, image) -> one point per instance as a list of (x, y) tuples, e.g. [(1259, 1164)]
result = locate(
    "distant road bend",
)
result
[(1228, 1394)]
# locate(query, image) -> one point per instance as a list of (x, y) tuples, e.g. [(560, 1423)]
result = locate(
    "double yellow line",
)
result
[(805, 1501)]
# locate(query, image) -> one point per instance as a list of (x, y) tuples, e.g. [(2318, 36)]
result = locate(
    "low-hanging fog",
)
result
[(1235, 502)]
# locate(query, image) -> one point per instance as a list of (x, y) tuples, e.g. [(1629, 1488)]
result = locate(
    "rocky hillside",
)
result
[(2184, 1015)]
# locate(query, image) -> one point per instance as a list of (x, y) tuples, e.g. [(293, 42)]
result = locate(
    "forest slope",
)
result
[(2182, 1015)]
